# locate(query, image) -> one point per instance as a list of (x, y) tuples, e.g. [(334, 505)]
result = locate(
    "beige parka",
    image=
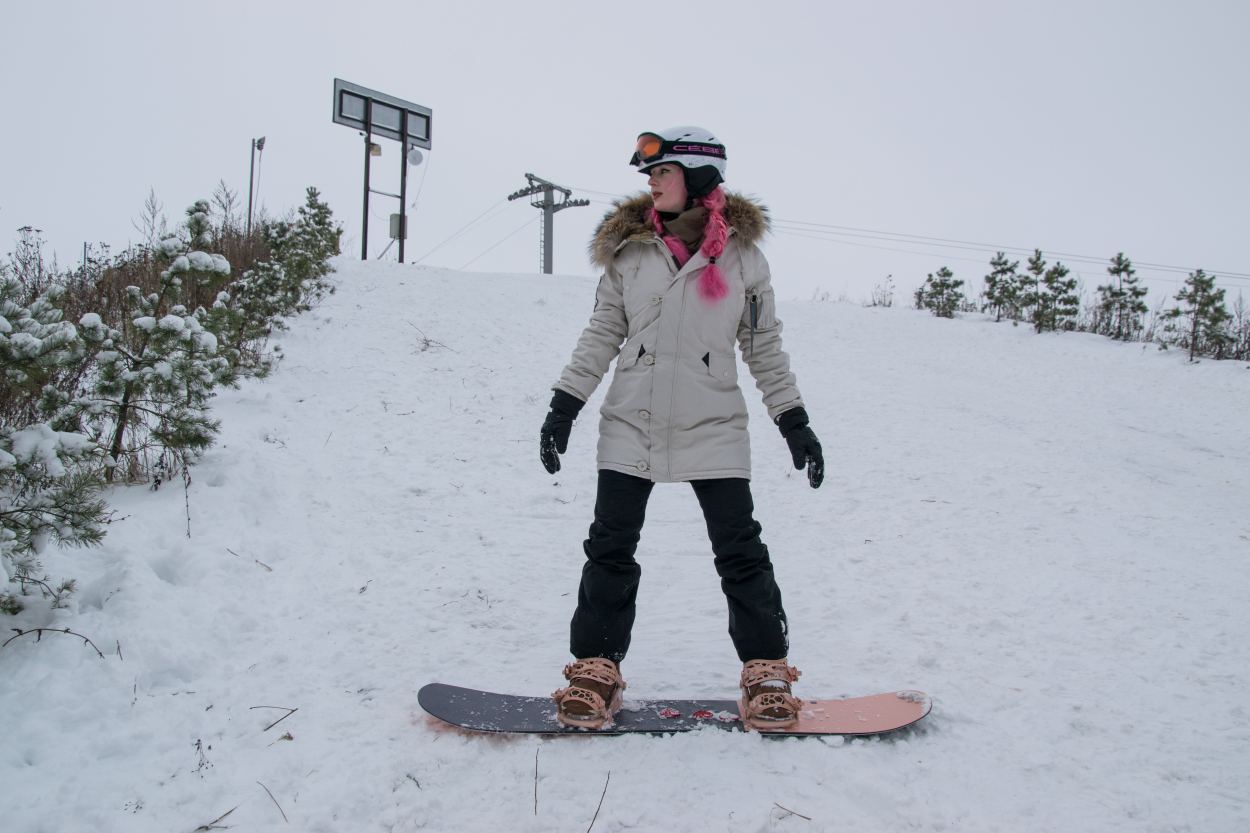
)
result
[(674, 410)]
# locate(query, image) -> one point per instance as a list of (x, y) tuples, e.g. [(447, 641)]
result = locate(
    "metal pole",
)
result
[(549, 213), (364, 223), (251, 173), (403, 181)]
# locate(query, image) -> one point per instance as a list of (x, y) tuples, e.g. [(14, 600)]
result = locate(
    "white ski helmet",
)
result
[(690, 147)]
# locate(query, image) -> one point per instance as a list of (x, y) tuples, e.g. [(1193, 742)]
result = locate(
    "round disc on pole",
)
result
[(415, 156)]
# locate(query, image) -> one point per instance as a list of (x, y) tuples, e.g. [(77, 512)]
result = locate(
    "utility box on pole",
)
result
[(399, 227)]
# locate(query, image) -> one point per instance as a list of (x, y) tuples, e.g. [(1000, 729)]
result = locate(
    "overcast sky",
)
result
[(1083, 128)]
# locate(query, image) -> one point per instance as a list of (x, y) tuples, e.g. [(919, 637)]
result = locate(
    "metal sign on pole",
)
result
[(409, 124)]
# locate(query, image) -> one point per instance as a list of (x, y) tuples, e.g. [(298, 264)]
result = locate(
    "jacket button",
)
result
[(642, 465), (649, 359), (645, 414)]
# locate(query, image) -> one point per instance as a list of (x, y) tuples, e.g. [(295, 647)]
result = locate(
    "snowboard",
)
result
[(484, 711)]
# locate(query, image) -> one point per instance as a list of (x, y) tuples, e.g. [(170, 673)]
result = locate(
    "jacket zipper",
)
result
[(755, 317)]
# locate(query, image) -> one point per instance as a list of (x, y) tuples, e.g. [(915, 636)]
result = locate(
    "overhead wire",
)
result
[(461, 230), (834, 233), (498, 243)]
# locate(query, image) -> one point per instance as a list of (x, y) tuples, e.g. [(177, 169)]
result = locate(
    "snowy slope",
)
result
[(1047, 533)]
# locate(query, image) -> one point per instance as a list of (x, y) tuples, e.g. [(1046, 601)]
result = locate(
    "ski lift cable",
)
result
[(510, 234), (944, 241), (922, 253), (461, 230)]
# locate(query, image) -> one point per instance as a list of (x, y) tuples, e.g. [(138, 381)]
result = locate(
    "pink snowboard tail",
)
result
[(858, 715)]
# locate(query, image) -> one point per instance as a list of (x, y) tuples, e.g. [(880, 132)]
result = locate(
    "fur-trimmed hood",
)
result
[(628, 221)]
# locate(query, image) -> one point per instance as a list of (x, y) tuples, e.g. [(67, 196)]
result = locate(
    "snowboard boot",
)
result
[(593, 696), (766, 699)]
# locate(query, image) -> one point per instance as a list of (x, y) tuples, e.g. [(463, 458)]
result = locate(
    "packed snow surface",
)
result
[(1047, 534)]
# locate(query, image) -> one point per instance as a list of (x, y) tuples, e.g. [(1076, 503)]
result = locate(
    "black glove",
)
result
[(553, 440), (804, 447)]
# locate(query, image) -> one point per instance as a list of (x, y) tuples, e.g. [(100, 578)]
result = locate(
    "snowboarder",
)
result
[(683, 280)]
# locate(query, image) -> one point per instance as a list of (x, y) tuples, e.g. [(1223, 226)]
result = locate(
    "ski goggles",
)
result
[(652, 148)]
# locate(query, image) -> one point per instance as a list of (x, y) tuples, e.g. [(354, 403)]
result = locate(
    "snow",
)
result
[(205, 262), (172, 323), (39, 443), (1047, 534)]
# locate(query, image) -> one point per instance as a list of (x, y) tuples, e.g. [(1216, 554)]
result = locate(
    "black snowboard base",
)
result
[(484, 711)]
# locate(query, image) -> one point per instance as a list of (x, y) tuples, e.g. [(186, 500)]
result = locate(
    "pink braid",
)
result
[(712, 285)]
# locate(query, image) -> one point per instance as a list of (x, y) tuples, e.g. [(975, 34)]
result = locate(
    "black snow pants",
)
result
[(604, 617)]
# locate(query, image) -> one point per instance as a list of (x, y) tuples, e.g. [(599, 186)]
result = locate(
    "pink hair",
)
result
[(712, 286)]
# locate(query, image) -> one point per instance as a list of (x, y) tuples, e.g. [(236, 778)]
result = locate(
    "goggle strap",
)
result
[(679, 149)]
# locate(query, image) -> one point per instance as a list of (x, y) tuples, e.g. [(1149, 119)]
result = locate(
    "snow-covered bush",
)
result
[(124, 394), (157, 371)]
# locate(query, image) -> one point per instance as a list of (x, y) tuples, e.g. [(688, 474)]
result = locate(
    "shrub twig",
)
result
[(791, 812), (39, 632), (275, 802), (213, 825), (289, 711), (600, 807)]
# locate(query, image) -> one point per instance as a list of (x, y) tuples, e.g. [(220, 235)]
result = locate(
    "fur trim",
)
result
[(628, 221)]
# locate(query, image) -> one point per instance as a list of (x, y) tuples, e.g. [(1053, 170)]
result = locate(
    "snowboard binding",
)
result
[(593, 695), (766, 699)]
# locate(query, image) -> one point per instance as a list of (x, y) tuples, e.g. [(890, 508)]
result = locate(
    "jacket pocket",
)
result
[(722, 366), (633, 354)]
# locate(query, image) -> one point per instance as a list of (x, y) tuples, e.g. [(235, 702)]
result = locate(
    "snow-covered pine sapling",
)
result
[(304, 248), (38, 350), (158, 372), (1060, 301), (1205, 329), (1002, 288), (1120, 302), (244, 316), (941, 293), (1031, 288), (48, 487)]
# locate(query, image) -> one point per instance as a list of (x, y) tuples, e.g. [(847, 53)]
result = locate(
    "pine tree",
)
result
[(1120, 303), (157, 373), (940, 293), (1059, 305), (304, 249), (1203, 305), (1031, 286), (48, 487), (244, 317), (1002, 287)]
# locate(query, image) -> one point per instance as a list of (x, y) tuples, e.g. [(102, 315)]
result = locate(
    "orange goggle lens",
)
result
[(649, 146)]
